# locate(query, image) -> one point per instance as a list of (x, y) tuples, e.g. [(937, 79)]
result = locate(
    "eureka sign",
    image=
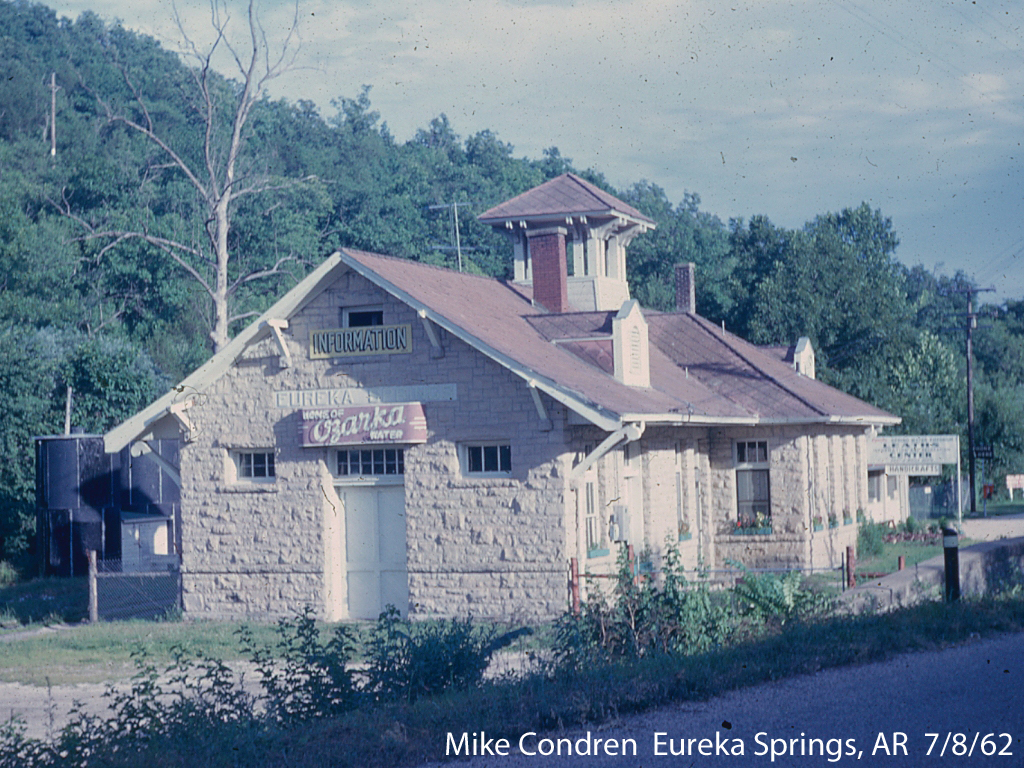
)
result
[(363, 424)]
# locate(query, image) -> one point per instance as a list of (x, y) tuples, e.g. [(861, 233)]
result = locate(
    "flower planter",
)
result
[(685, 536), (752, 531), (818, 527), (847, 521), (597, 553)]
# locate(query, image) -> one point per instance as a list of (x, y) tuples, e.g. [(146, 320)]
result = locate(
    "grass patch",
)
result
[(997, 508), (913, 552), (102, 652)]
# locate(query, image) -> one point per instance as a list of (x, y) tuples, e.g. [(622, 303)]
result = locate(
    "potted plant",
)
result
[(759, 524), (833, 521), (684, 530), (816, 523)]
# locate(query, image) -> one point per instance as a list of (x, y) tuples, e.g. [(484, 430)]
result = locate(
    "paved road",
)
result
[(977, 688)]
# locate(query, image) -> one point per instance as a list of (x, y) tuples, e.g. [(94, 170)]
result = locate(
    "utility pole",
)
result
[(972, 323), (454, 207)]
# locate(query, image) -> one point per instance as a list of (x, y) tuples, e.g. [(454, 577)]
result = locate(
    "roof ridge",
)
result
[(423, 264)]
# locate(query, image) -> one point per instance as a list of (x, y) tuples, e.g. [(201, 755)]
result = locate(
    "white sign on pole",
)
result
[(914, 450), (916, 470)]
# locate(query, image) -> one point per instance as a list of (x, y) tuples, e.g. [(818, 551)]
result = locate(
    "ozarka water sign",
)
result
[(364, 424)]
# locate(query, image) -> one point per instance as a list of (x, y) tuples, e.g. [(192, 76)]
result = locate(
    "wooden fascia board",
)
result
[(210, 371)]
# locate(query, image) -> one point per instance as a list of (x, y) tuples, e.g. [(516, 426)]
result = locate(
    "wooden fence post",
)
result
[(574, 585), (851, 567), (94, 610)]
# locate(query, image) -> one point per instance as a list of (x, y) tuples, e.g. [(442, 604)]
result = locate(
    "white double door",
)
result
[(375, 551)]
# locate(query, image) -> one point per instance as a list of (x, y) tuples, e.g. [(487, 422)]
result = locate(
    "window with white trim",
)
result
[(487, 459), (255, 466), (753, 489)]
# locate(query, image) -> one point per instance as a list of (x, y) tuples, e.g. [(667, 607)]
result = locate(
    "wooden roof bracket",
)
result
[(436, 350), (628, 433), (276, 325), (545, 424), (143, 448)]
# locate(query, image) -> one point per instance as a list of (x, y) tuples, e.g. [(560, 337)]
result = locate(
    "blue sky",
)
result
[(782, 108)]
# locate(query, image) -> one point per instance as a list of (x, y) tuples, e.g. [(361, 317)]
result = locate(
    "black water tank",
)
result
[(75, 484)]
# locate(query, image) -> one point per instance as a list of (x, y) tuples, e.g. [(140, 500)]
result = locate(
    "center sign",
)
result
[(363, 425)]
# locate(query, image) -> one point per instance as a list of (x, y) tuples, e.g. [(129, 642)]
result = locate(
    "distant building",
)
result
[(391, 432)]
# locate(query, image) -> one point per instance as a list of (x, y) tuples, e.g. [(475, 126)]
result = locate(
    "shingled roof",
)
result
[(699, 373), (565, 195)]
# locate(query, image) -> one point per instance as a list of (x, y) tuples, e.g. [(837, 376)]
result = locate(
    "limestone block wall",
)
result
[(495, 546), (489, 546), (814, 472)]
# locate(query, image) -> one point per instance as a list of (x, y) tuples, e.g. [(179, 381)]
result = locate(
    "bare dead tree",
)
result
[(218, 180)]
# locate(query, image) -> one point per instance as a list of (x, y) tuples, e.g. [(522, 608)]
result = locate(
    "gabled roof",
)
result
[(699, 374), (565, 195)]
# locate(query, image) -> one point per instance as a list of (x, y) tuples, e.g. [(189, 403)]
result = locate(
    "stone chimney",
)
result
[(686, 293), (549, 269)]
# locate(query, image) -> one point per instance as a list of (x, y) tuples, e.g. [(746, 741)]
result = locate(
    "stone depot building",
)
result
[(396, 433)]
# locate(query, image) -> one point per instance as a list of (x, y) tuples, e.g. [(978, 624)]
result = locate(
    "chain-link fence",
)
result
[(146, 589)]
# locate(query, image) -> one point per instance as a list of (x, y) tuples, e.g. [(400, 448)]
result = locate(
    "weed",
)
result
[(304, 678), (678, 618), (8, 574), (409, 661)]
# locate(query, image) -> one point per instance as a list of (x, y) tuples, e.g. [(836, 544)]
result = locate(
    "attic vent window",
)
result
[(635, 350), (362, 317)]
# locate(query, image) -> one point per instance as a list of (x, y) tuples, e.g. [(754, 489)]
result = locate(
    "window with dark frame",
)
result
[(753, 487), (371, 462), (256, 465), (361, 317), (488, 459)]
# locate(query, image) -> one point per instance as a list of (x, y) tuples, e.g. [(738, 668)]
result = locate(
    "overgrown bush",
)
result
[(8, 574), (643, 618), (780, 597), (302, 677), (408, 660), (871, 539)]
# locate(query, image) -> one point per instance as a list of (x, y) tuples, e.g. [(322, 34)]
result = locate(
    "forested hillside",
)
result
[(111, 243)]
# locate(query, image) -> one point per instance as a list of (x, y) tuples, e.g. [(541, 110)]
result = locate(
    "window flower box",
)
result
[(762, 531), (601, 552)]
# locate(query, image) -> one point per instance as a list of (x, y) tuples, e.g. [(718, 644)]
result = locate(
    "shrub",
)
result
[(780, 597), (642, 619), (304, 678), (871, 539), (8, 574), (408, 660)]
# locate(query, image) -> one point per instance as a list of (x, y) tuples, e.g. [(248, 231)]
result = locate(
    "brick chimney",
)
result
[(686, 294), (550, 272)]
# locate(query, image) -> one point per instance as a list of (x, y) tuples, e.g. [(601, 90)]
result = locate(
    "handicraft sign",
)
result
[(367, 340), (363, 425)]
